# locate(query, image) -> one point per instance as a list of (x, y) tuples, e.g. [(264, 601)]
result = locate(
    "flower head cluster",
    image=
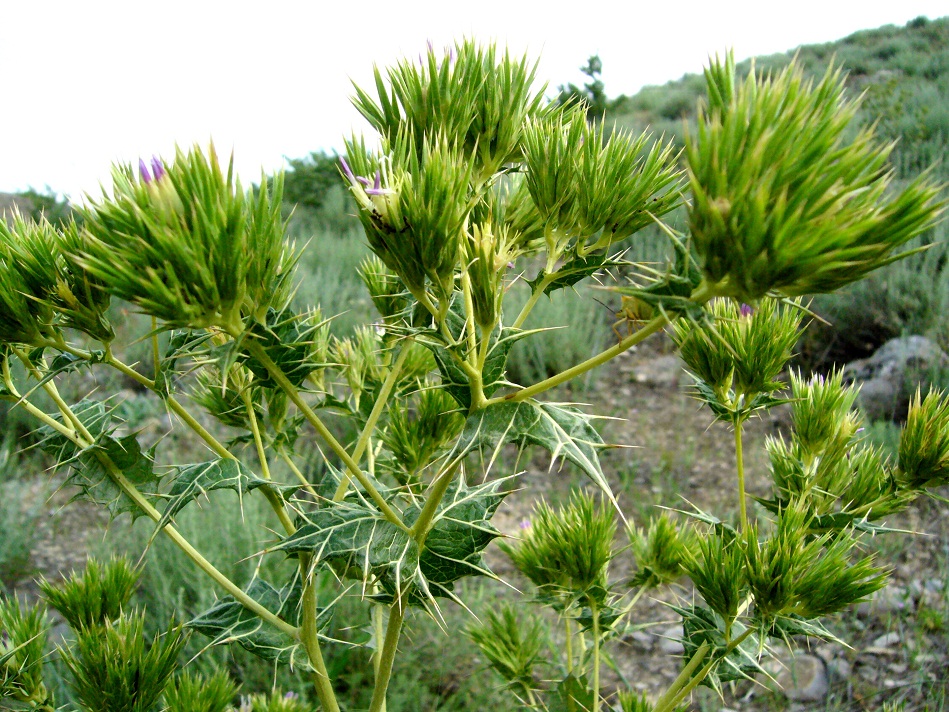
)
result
[(783, 201)]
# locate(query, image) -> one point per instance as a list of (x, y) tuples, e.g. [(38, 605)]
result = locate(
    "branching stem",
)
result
[(293, 393), (377, 409)]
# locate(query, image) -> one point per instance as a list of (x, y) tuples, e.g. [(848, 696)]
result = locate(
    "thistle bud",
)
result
[(186, 244), (924, 442), (565, 552), (783, 202), (739, 354)]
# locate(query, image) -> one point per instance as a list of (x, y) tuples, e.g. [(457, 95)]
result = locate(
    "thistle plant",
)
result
[(474, 188)]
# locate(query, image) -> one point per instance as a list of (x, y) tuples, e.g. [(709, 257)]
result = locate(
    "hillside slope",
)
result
[(904, 72)]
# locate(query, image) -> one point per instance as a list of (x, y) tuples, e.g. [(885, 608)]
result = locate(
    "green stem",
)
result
[(697, 679), (377, 409), (657, 324), (422, 526), (740, 466), (569, 645), (309, 635), (273, 497), (84, 439), (667, 701), (594, 611), (469, 318), (293, 393), (307, 485), (536, 294), (389, 647)]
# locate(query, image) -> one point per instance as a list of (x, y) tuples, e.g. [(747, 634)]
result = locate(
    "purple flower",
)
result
[(143, 171), (376, 188), (746, 310), (158, 168), (525, 524), (157, 173), (347, 171), (291, 696)]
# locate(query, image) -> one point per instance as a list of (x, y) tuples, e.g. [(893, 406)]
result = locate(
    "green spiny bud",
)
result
[(297, 343), (924, 442), (660, 551), (740, 352), (223, 397), (512, 647), (782, 201), (196, 693), (488, 252), (28, 277), (622, 186), (386, 290), (22, 652), (479, 102), (415, 209), (96, 596), (113, 667), (188, 245), (716, 566), (565, 552), (415, 434), (822, 414)]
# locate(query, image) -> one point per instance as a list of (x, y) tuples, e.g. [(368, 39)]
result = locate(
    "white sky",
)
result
[(88, 82)]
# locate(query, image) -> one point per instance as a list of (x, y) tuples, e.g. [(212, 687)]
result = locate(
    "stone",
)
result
[(661, 372), (670, 640), (804, 678), (889, 378)]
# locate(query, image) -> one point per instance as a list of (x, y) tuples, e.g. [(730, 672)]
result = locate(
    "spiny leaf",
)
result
[(563, 431), (454, 378), (461, 529), (574, 270), (702, 625), (359, 539), (181, 344), (191, 481), (229, 622)]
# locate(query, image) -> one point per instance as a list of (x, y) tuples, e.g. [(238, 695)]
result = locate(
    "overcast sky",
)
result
[(88, 82)]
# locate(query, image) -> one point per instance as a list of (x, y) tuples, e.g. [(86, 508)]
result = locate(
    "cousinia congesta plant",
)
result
[(476, 187)]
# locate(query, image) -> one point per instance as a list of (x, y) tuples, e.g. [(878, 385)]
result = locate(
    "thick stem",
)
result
[(536, 294), (657, 324), (288, 461), (389, 647), (594, 611), (740, 467), (423, 524), (377, 409), (294, 394), (276, 503), (309, 635), (667, 701), (569, 645)]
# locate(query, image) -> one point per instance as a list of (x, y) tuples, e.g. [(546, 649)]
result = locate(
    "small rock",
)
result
[(804, 679), (642, 638), (660, 372), (887, 640), (888, 377), (670, 640), (891, 599), (840, 669)]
